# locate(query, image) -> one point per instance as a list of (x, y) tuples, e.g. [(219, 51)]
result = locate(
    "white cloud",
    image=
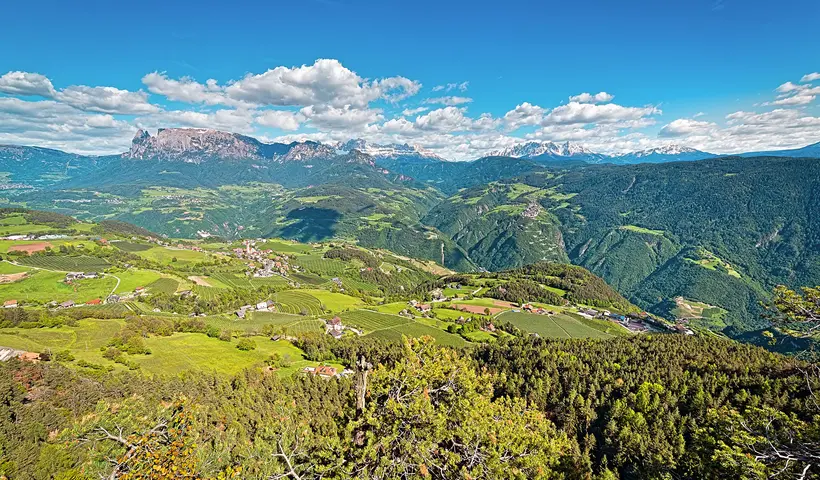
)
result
[(326, 82), (601, 97), (281, 119), (524, 114), (575, 113), (26, 83), (684, 126), (810, 77), (789, 87), (106, 100), (340, 118), (185, 89), (449, 100), (462, 87), (408, 112)]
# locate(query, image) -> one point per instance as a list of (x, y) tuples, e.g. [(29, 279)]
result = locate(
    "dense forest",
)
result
[(649, 407)]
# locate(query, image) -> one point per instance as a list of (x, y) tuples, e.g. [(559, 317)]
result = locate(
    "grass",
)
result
[(415, 329), (132, 247), (163, 285), (6, 268), (195, 351), (297, 302), (84, 340), (555, 326), (42, 286), (133, 278), (328, 267), (167, 255), (637, 229), (82, 263), (335, 302), (169, 355), (370, 321)]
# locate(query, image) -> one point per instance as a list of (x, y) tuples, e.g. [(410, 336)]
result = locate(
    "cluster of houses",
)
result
[(529, 308), (71, 276), (419, 307), (263, 306), (7, 354), (326, 371), (32, 236)]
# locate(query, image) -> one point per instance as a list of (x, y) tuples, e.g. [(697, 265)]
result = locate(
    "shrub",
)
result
[(246, 344)]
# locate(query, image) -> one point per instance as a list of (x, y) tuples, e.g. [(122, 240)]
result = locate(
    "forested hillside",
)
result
[(643, 407)]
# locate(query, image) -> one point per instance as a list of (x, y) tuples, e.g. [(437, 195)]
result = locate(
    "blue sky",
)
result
[(712, 66)]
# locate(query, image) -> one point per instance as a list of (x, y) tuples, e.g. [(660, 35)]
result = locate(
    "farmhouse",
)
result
[(67, 304), (112, 299), (10, 304), (324, 371), (422, 307), (95, 301), (139, 290)]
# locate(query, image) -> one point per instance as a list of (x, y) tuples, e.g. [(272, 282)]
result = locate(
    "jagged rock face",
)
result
[(306, 152), (391, 150), (536, 149), (193, 145)]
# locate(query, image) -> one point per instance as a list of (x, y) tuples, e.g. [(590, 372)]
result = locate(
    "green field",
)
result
[(327, 267), (555, 326), (169, 355), (84, 340), (296, 302), (167, 255), (195, 351), (415, 329), (66, 264), (163, 285), (132, 247), (335, 302), (370, 321), (42, 286)]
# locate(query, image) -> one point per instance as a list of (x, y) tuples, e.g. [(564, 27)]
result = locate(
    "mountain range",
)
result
[(664, 230)]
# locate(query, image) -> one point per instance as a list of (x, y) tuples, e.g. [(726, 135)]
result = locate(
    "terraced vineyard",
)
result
[(370, 321), (163, 285), (243, 281), (415, 329), (131, 247), (296, 302), (327, 267), (555, 326), (66, 264)]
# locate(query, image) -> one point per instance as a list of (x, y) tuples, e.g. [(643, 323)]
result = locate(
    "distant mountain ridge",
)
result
[(196, 145)]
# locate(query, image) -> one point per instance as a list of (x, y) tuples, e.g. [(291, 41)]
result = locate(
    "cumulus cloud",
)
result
[(684, 126), (185, 89), (326, 82), (341, 118), (281, 119), (601, 97), (449, 100), (574, 113), (26, 83), (106, 100), (524, 114), (810, 77), (407, 112), (462, 87)]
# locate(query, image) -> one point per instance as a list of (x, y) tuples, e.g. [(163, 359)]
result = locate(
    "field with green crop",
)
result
[(42, 286), (415, 329), (132, 247), (163, 285), (65, 263), (552, 326), (334, 302), (370, 321), (294, 301), (327, 267)]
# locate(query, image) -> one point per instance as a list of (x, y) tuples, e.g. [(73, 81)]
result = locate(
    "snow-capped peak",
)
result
[(671, 149), (392, 150), (537, 149)]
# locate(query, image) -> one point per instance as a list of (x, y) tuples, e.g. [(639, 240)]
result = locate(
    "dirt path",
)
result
[(199, 281)]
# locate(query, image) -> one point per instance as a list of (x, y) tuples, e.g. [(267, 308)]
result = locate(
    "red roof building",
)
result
[(96, 301)]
